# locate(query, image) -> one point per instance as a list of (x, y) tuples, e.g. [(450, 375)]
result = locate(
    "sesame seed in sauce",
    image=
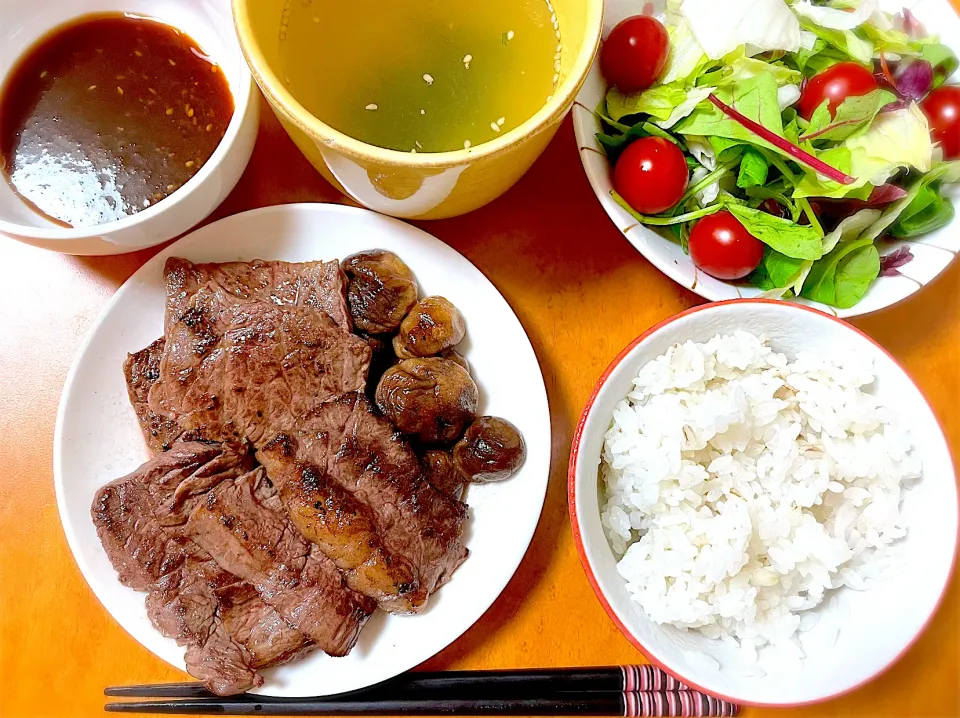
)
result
[(172, 63), (170, 188), (119, 90), (209, 127), (494, 126), (190, 112), (372, 106), (138, 53), (151, 91), (43, 74), (91, 88), (466, 144), (189, 163), (121, 77), (509, 34), (417, 143), (428, 78), (169, 110), (423, 112), (501, 121), (316, 19)]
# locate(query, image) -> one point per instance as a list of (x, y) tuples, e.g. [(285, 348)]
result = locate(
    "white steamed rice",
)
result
[(741, 486)]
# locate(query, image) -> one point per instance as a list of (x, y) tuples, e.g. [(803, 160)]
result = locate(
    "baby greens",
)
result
[(817, 192)]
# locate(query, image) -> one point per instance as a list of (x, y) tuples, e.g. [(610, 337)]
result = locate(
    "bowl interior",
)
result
[(259, 25), (206, 21), (877, 624), (932, 252)]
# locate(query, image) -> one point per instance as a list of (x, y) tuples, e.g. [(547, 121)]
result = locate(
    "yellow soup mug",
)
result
[(423, 185)]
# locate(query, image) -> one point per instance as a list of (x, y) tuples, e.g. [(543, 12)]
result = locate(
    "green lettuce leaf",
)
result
[(943, 59), (891, 41), (755, 97), (927, 211), (853, 115), (781, 269), (789, 238), (658, 102), (847, 41), (753, 169), (842, 277), (743, 68), (816, 59), (686, 59)]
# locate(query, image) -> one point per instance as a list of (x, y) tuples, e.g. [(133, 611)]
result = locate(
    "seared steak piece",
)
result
[(233, 372), (343, 527), (344, 441), (133, 512), (316, 285), (243, 526), (141, 370), (139, 520)]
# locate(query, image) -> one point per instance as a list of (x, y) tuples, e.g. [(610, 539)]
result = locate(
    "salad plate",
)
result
[(907, 264)]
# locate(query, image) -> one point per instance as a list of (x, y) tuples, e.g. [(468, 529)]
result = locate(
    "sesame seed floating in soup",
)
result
[(88, 129)]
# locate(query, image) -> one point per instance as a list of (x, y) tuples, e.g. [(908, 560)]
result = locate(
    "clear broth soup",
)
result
[(421, 75)]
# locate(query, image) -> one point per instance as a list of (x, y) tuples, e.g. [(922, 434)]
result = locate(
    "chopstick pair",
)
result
[(621, 691)]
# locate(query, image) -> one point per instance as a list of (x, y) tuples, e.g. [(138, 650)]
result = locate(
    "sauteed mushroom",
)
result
[(442, 472), (433, 325), (381, 290), (492, 449), (431, 399)]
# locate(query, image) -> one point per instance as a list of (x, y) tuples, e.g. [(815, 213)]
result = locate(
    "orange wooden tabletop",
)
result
[(581, 291)]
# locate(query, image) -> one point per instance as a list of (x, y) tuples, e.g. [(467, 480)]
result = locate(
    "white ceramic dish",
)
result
[(932, 253), (97, 437), (883, 621), (209, 23)]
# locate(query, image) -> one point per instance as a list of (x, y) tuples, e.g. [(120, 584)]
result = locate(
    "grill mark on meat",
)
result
[(242, 524), (315, 285), (139, 521), (346, 444), (342, 527), (141, 371), (268, 366)]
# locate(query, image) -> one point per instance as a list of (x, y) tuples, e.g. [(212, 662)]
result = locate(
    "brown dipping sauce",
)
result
[(109, 115)]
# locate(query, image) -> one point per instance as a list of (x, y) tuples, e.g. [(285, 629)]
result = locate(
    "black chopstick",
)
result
[(472, 684), (661, 703)]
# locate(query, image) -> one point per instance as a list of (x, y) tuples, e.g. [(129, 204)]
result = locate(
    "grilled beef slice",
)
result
[(139, 519), (242, 524), (316, 285), (234, 372), (343, 444), (141, 370)]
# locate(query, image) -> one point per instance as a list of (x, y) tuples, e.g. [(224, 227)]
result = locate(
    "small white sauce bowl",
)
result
[(883, 621), (210, 23)]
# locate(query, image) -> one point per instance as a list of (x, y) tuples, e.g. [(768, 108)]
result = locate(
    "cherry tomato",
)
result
[(651, 175), (942, 108), (634, 54), (836, 83), (723, 248)]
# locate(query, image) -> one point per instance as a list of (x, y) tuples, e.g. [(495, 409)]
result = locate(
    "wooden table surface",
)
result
[(582, 293)]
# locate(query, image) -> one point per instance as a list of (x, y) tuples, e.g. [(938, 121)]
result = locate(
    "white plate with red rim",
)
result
[(932, 253), (98, 439), (872, 628)]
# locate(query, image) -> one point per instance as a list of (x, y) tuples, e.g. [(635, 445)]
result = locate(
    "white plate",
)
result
[(98, 439), (932, 252)]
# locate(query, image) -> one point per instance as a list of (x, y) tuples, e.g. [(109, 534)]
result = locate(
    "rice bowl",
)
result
[(858, 579)]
